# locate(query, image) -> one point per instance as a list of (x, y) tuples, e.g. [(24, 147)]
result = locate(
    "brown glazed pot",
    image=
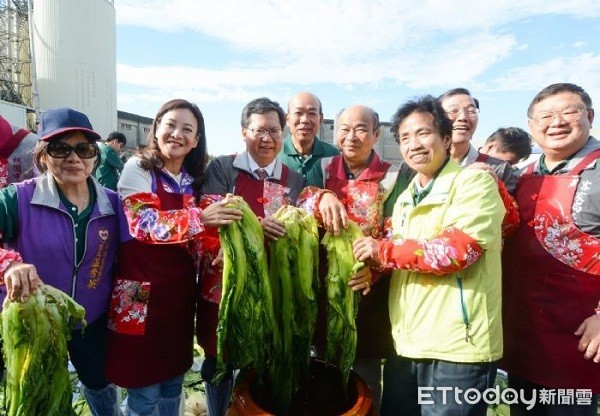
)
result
[(324, 396)]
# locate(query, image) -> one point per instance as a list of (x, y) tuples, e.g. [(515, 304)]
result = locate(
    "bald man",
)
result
[(302, 149)]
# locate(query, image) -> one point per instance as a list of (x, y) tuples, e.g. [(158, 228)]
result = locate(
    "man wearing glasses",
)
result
[(463, 110), (265, 184), (551, 266)]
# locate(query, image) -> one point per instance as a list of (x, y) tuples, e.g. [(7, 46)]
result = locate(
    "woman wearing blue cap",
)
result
[(64, 229)]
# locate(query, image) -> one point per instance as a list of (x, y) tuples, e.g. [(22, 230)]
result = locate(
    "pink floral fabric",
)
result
[(566, 243), (147, 222), (129, 307), (274, 196), (3, 172), (448, 252)]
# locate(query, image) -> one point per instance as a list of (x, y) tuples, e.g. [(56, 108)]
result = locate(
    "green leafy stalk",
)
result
[(293, 270), (245, 332), (35, 335), (342, 305)]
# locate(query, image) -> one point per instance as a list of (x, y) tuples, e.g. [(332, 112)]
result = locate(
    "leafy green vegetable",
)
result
[(35, 335), (245, 332), (294, 279), (342, 302)]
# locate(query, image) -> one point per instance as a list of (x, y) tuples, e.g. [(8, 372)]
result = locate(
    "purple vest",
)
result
[(46, 239)]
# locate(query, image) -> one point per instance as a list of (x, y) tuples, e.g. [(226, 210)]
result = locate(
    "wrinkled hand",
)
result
[(485, 167), (272, 228), (589, 344), (366, 249), (218, 214), (361, 280), (333, 213), (21, 279)]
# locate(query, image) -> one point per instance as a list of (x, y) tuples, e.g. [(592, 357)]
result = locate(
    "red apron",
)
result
[(551, 284), (151, 316), (8, 143), (264, 198), (364, 204)]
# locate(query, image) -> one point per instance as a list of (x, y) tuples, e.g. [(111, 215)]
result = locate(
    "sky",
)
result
[(380, 53)]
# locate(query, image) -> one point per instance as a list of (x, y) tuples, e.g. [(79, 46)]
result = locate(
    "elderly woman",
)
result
[(445, 289), (152, 304), (64, 228)]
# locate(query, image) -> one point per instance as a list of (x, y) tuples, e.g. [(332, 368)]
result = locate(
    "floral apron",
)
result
[(551, 284), (265, 198), (151, 314)]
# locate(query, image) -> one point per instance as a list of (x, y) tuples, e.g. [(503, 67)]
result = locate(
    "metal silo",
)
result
[(74, 44)]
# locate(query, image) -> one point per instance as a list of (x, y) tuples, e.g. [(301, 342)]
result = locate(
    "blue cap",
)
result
[(61, 120)]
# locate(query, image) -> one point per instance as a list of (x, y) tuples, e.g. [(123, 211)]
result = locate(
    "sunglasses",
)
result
[(61, 150)]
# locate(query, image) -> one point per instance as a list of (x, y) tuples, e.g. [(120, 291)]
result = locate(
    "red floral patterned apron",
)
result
[(151, 315), (551, 284), (265, 198)]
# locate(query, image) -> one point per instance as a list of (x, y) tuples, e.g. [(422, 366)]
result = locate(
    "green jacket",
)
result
[(455, 317), (110, 167), (307, 166)]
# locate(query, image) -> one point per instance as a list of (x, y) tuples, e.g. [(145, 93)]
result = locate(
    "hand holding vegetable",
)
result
[(219, 213), (35, 335), (361, 280), (272, 228), (21, 279), (366, 249), (333, 213)]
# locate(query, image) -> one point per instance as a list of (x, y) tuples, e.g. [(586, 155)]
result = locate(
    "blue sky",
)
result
[(380, 53)]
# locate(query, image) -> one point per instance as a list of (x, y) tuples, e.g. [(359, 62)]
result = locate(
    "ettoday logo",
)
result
[(496, 396)]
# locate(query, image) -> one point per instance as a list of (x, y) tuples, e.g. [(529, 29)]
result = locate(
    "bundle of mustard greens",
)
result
[(342, 302), (294, 279), (35, 335), (246, 331)]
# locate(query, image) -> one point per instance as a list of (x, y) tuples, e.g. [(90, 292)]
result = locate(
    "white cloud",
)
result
[(297, 28), (419, 67), (583, 70), (426, 45)]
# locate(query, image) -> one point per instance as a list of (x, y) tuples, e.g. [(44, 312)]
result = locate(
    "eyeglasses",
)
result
[(61, 150), (569, 114), (275, 133), (470, 111)]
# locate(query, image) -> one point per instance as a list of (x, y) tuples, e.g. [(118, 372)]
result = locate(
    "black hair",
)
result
[(554, 89), (195, 161), (118, 136), (513, 140), (458, 91), (261, 106), (428, 105)]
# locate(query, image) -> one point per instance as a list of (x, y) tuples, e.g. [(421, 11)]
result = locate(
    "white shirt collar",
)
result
[(470, 157), (254, 166)]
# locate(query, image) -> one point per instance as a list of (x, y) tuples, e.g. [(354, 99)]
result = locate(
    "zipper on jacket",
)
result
[(74, 280), (463, 309)]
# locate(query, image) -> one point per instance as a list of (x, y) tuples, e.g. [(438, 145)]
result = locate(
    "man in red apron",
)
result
[(362, 181), (551, 266), (265, 184)]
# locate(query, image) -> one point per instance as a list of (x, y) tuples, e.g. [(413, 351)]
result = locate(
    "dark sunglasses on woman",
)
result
[(61, 150)]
